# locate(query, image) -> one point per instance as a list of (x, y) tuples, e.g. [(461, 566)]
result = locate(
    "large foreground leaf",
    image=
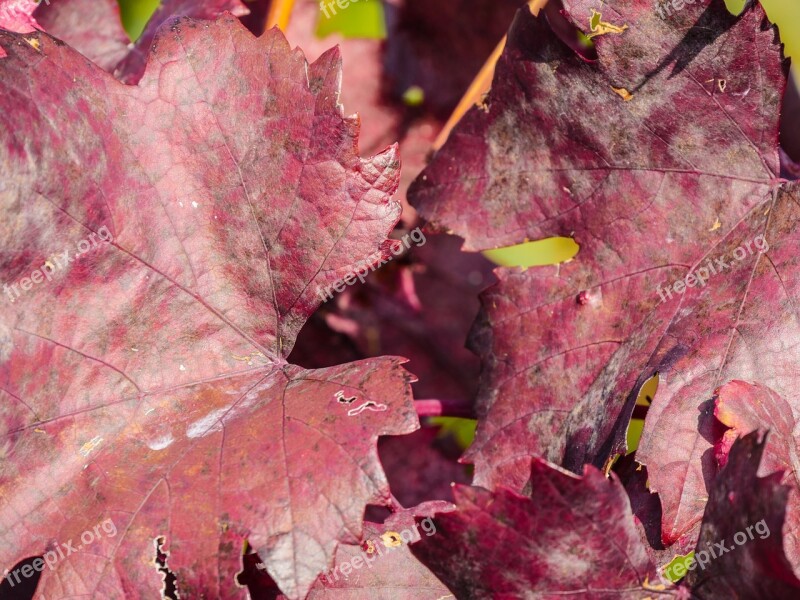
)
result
[(159, 255), (659, 159)]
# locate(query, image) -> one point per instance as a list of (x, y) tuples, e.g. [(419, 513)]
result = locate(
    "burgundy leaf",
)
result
[(656, 158), (94, 29), (745, 408), (131, 69), (380, 567), (573, 536), (740, 551), (159, 256)]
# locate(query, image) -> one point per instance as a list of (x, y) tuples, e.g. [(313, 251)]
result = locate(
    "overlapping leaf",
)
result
[(657, 158), (162, 253), (745, 408), (94, 29), (382, 567), (740, 553), (573, 536)]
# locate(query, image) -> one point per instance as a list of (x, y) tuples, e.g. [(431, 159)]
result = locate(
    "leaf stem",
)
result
[(434, 407)]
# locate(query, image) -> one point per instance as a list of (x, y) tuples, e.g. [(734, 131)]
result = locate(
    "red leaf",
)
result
[(684, 171), (745, 408), (740, 551), (145, 381), (92, 27), (574, 535), (95, 30)]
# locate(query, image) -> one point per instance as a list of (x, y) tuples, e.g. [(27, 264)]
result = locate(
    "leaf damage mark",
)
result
[(170, 590), (369, 405), (341, 398), (90, 445), (599, 27), (623, 93)]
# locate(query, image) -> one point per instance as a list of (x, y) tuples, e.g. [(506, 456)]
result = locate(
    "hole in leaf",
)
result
[(254, 576), (375, 513), (549, 251), (170, 591), (21, 580), (643, 401), (568, 33), (676, 574)]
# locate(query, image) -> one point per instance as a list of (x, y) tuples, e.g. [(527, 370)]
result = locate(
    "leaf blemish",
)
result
[(340, 397), (369, 405), (623, 93), (599, 27), (90, 445)]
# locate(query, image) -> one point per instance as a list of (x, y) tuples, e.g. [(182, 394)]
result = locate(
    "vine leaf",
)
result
[(160, 255), (683, 174)]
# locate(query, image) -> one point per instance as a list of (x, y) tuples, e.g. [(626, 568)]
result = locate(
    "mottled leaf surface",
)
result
[(380, 568), (179, 250), (683, 172), (741, 531), (746, 407), (94, 29), (572, 536)]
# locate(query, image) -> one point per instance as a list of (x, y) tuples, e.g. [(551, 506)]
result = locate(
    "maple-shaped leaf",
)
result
[(573, 535), (660, 159), (745, 408), (95, 30), (740, 551), (160, 253)]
